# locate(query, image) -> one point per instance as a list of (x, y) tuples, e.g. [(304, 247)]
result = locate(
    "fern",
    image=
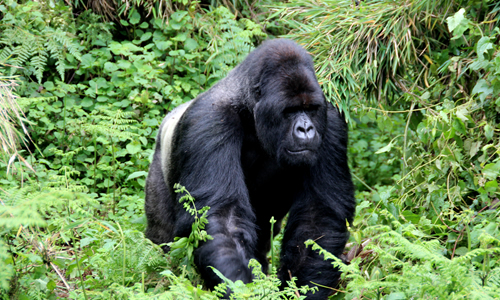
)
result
[(39, 61), (68, 43), (231, 40), (125, 255), (5, 54), (110, 123), (28, 41), (93, 31), (263, 287), (13, 218), (22, 53), (419, 269), (182, 248)]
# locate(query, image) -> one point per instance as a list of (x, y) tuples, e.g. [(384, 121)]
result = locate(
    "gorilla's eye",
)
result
[(312, 107), (295, 109), (292, 110)]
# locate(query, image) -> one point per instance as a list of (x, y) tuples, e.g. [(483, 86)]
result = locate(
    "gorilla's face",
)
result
[(290, 118)]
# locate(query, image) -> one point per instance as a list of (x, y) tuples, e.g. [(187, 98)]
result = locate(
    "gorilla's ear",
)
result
[(256, 89)]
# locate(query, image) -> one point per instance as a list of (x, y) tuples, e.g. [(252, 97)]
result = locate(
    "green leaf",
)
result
[(491, 186), (51, 285), (454, 21), (482, 46), (458, 24), (492, 171), (474, 148), (410, 216), (488, 132), (88, 60), (125, 48), (461, 113), (87, 102), (163, 45), (483, 89), (178, 15), (386, 148), (479, 64), (396, 296), (102, 99), (137, 174), (107, 182), (190, 44), (110, 67), (49, 85), (146, 36), (123, 64), (181, 37), (150, 122), (459, 126), (135, 17), (134, 147), (75, 224)]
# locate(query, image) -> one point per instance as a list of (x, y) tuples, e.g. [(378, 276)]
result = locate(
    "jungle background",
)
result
[(84, 85)]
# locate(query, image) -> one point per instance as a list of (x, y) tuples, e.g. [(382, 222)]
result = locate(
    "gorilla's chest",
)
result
[(270, 186)]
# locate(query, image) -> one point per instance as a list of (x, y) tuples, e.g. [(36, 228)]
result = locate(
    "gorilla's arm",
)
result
[(320, 213), (207, 161)]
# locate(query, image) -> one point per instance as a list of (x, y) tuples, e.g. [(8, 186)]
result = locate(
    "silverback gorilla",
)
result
[(262, 142)]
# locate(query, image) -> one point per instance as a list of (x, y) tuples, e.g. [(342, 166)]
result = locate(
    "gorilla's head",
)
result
[(290, 113)]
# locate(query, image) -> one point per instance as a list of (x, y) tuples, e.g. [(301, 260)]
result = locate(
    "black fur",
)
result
[(262, 142)]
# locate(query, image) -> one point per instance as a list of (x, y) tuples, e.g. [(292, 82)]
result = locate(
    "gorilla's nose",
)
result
[(304, 128)]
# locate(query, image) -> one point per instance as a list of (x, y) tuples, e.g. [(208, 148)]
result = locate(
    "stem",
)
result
[(95, 163), (405, 144), (76, 258), (124, 253), (272, 240)]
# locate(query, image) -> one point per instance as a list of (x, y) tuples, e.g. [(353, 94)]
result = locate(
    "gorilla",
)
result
[(262, 142)]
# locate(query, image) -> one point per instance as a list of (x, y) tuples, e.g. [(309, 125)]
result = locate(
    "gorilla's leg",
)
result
[(232, 247), (318, 224), (158, 205)]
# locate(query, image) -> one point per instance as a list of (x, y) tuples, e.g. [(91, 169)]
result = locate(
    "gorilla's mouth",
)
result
[(298, 152)]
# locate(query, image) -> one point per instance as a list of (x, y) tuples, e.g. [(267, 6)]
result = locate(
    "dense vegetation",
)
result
[(82, 95)]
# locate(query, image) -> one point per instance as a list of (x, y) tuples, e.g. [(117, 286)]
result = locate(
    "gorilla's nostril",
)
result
[(304, 128), (310, 132)]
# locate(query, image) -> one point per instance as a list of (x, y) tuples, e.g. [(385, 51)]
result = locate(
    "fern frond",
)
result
[(22, 53), (56, 52), (39, 61), (6, 54), (68, 43)]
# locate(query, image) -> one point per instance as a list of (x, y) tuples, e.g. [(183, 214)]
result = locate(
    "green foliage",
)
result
[(13, 218), (263, 286), (10, 116), (94, 105), (419, 268), (33, 34), (101, 122), (384, 49), (229, 42), (183, 248), (432, 213), (373, 138), (425, 155)]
